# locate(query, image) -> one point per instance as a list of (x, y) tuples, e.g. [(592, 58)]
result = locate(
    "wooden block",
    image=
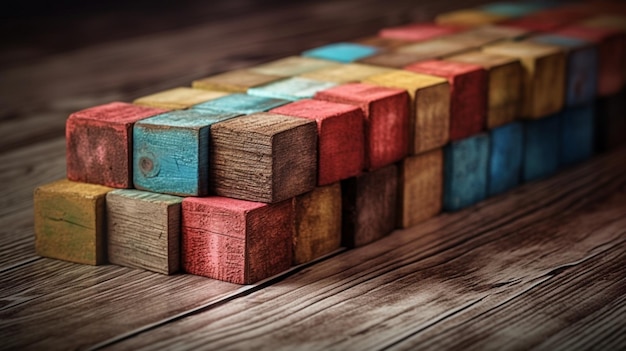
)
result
[(238, 81), (514, 9), (535, 25), (504, 93), (340, 129), (465, 172), (171, 152), (394, 59), (99, 143), (178, 98), (144, 230), (292, 66), (237, 241), (341, 52), (484, 35), (70, 221), (242, 104), (349, 73), (420, 185), (505, 157), (468, 94), (369, 206), (263, 157), (418, 31), (606, 21), (386, 112), (469, 18), (434, 49), (429, 118), (541, 148), (610, 124), (318, 223), (382, 42), (292, 89), (544, 75), (577, 134)]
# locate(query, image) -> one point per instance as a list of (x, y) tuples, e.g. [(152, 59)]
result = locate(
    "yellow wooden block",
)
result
[(293, 66), (435, 49), (469, 18), (238, 81), (348, 73), (178, 98)]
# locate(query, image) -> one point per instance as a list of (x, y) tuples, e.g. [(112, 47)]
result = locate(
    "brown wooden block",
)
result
[(418, 31), (484, 35), (70, 222), (238, 81), (469, 18), (606, 21), (178, 98), (394, 59), (429, 118), (263, 157), (434, 49), (144, 230), (348, 73), (318, 223), (382, 42), (293, 66), (420, 185)]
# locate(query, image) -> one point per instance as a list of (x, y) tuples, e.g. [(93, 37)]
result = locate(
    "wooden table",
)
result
[(543, 266)]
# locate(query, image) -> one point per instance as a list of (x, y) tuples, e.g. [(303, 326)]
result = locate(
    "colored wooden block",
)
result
[(468, 94), (263, 157), (318, 223), (341, 52), (535, 25), (429, 118), (171, 152), (610, 124), (420, 185), (382, 42), (237, 241), (70, 222), (292, 66), (99, 143), (394, 59), (606, 21), (178, 98), (386, 112), (504, 92), (242, 104), (541, 148), (465, 172), (484, 35), (434, 49), (144, 230), (505, 157), (469, 18), (418, 31), (515, 9), (292, 89), (349, 73), (341, 137), (237, 81), (369, 206), (577, 133), (544, 75)]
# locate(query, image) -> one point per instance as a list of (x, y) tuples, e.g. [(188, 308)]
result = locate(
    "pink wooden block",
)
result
[(418, 31)]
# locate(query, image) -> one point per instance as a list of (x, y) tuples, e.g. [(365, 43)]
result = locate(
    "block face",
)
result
[(70, 222), (382, 42), (420, 187), (293, 66), (469, 18), (541, 148), (489, 34), (394, 59), (465, 172), (178, 98), (418, 31), (237, 81), (144, 230), (349, 73), (577, 134), (505, 157), (242, 104), (433, 49), (341, 52), (513, 9), (291, 89)]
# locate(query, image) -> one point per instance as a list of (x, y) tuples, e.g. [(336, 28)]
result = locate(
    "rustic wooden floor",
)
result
[(541, 267)]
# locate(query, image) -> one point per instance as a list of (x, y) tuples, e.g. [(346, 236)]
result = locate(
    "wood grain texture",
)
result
[(235, 81), (541, 148), (348, 73), (577, 133), (506, 151), (436, 48), (341, 52), (292, 89), (469, 18), (484, 35), (420, 184), (178, 98), (418, 31), (242, 104), (394, 59), (465, 172), (292, 66)]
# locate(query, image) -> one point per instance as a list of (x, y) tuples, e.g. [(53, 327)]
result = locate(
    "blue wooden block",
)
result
[(541, 148), (171, 152), (465, 172), (515, 9), (341, 52), (241, 103), (577, 134), (292, 89), (505, 157)]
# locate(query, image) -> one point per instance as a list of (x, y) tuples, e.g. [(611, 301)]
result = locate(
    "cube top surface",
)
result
[(469, 17), (522, 49), (362, 92), (560, 40), (486, 60), (448, 69), (226, 203), (116, 112), (147, 196), (593, 34), (351, 72), (317, 109), (607, 21), (241, 103), (178, 98), (292, 66), (514, 9), (342, 52), (236, 81), (418, 31), (264, 123), (437, 47), (193, 119), (294, 88), (68, 187), (382, 42), (405, 80)]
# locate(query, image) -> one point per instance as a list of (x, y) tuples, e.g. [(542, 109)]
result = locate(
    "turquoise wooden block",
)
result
[(465, 172), (505, 157), (577, 134), (541, 148), (171, 152), (515, 9), (292, 89), (241, 103), (341, 52)]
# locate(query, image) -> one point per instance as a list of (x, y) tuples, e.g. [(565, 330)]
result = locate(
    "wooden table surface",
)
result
[(543, 266)]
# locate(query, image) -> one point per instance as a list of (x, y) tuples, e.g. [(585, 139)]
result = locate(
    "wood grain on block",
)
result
[(341, 52), (99, 143), (420, 185), (386, 112), (541, 148), (237, 81), (178, 98), (369, 206), (469, 18), (348, 73), (544, 75), (577, 134), (468, 94), (292, 89), (429, 118), (394, 59), (505, 157), (418, 31), (382, 42), (318, 223), (466, 165), (263, 157), (237, 241), (70, 222), (504, 93), (243, 104), (292, 66), (434, 49), (171, 152), (610, 121), (341, 137), (514, 9), (143, 230), (484, 35)]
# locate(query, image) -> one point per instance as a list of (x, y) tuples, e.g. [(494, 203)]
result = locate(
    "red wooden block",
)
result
[(386, 113), (340, 129), (236, 241), (468, 94), (99, 143), (418, 31)]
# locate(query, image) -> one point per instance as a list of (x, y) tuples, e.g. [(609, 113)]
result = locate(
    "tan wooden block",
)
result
[(435, 49), (469, 18), (293, 66), (489, 34), (382, 42), (348, 73), (420, 184), (394, 59), (238, 81), (178, 98)]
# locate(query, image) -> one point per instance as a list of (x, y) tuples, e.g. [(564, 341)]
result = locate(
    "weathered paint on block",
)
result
[(341, 137), (171, 152), (243, 104), (394, 59), (514, 9), (577, 133), (465, 172), (144, 230), (178, 98), (341, 52), (349, 73), (99, 143), (70, 222), (382, 42), (418, 31), (293, 66), (292, 89), (610, 122), (469, 18), (386, 112), (420, 184), (541, 148), (237, 241), (434, 49), (237, 81), (505, 157)]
